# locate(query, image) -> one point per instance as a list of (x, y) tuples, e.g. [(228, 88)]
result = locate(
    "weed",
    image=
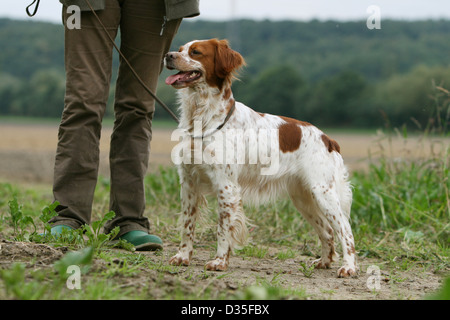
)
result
[(443, 293), (121, 267), (307, 271), (103, 289), (82, 258), (253, 251), (264, 290), (328, 292), (286, 254), (224, 275), (97, 239), (19, 221), (47, 213), (16, 285)]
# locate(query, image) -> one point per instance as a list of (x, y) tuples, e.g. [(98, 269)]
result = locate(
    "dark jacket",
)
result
[(175, 9)]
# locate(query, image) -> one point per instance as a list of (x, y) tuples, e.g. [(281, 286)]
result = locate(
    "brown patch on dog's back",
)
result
[(289, 136), (331, 144), (295, 121)]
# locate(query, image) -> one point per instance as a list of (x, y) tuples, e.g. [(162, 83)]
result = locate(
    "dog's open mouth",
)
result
[(183, 77)]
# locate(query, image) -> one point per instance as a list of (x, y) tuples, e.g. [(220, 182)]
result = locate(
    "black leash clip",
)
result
[(35, 8)]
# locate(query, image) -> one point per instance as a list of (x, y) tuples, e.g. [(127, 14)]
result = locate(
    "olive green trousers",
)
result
[(88, 62)]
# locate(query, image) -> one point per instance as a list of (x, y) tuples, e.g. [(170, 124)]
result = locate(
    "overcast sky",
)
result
[(50, 10)]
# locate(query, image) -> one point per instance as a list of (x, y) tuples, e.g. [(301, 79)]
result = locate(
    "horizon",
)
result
[(200, 19), (284, 10)]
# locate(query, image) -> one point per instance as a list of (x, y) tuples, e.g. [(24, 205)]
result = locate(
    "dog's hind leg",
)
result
[(305, 204), (328, 201)]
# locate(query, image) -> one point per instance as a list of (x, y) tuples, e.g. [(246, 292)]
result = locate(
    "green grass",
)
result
[(253, 251), (404, 202)]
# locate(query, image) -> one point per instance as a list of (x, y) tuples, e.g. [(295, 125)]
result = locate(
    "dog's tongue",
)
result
[(170, 80)]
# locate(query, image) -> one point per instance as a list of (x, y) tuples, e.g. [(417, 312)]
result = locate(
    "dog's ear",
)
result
[(227, 61)]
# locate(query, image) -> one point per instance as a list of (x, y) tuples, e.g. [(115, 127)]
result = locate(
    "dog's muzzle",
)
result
[(169, 59)]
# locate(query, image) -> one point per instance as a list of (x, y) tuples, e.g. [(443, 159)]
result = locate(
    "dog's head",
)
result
[(208, 61)]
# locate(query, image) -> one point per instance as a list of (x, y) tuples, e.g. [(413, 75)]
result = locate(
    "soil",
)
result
[(244, 272)]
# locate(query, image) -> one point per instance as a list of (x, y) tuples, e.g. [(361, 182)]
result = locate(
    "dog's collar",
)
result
[(211, 132)]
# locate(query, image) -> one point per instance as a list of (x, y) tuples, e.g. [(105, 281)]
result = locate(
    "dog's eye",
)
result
[(195, 52)]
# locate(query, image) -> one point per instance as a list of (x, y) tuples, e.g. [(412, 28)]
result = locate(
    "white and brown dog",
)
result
[(309, 167)]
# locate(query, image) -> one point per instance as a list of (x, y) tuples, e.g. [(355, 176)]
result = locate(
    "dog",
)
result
[(310, 169)]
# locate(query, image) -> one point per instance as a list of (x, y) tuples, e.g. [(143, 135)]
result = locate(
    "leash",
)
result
[(32, 14), (162, 104), (138, 78)]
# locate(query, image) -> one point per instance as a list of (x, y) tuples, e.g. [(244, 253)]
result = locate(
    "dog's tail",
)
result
[(239, 229), (344, 190)]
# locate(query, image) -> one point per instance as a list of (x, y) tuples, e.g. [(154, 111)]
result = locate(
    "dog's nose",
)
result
[(170, 55), (169, 60)]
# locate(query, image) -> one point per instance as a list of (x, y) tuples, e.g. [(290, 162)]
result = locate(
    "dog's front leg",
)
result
[(190, 200), (232, 229), (220, 263)]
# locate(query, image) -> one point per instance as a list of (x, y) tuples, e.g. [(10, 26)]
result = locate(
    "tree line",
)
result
[(337, 74)]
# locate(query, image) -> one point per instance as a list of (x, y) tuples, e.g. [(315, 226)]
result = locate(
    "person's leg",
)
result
[(144, 48), (88, 59)]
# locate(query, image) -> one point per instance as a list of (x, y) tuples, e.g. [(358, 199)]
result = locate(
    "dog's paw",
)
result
[(219, 264), (178, 260), (347, 272), (322, 263)]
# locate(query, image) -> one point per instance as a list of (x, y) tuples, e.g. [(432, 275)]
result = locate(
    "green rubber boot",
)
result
[(143, 241), (57, 230)]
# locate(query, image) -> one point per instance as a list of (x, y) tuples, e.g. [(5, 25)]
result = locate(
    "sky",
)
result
[(303, 10)]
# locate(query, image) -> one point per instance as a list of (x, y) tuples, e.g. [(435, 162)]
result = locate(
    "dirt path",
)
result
[(323, 283), (245, 272)]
